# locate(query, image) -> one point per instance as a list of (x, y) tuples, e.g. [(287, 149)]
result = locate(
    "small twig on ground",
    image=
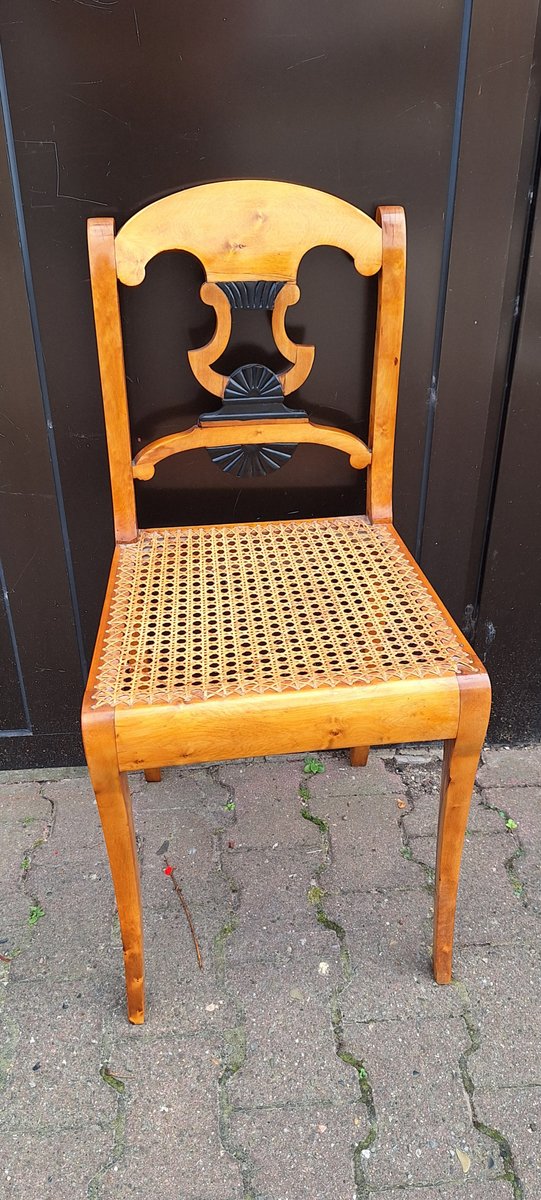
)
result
[(169, 870)]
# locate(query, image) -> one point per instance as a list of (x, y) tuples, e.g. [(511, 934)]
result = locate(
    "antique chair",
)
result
[(233, 640)]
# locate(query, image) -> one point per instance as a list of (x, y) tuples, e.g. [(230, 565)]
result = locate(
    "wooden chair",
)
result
[(233, 640)]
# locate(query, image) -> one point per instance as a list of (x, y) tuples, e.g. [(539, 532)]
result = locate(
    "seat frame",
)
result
[(268, 227)]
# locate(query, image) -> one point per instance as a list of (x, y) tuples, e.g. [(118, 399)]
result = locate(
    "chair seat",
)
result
[(279, 606)]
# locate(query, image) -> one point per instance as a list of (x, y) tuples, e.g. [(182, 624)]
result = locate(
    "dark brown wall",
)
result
[(510, 617), (113, 105), (112, 108)]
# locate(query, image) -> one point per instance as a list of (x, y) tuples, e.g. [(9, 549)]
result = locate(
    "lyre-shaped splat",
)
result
[(260, 294), (252, 391)]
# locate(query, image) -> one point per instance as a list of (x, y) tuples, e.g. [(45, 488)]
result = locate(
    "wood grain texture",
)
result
[(245, 229), (114, 806), (286, 723), (101, 253), (460, 761), (200, 359), (302, 357), (383, 404), (249, 433)]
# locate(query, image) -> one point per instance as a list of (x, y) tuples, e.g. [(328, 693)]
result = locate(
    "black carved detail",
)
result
[(253, 293), (252, 393), (247, 462)]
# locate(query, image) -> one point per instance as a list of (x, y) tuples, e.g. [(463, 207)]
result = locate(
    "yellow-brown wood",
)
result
[(302, 357), (390, 320), (201, 359), (101, 252), (245, 229), (358, 756), (251, 230), (249, 433), (460, 761), (287, 722), (114, 806)]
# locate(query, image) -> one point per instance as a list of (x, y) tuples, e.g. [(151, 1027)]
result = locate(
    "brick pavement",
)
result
[(313, 1057)]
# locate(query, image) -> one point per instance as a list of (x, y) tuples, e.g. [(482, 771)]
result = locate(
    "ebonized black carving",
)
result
[(252, 392), (248, 461), (260, 293)]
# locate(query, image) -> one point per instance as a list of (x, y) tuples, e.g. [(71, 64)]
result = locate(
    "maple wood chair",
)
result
[(234, 640)]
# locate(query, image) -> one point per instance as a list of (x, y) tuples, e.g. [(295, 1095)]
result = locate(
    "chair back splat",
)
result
[(231, 641), (250, 236)]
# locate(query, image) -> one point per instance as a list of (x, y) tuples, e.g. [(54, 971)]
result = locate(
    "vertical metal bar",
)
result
[(444, 270), (17, 660), (40, 363)]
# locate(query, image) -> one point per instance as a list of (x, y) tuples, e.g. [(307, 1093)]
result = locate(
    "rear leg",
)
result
[(358, 756)]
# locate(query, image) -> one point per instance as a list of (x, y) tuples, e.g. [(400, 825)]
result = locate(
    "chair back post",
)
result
[(103, 278), (390, 320)]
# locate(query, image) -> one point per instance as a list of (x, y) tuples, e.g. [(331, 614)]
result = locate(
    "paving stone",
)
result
[(503, 984), (279, 943), (23, 802), (468, 1189), (195, 855), (187, 840), (398, 923), (172, 1116), (524, 807), (15, 932), (302, 1154), (15, 845), (262, 982), (517, 1111), (77, 827), (53, 1059), (488, 910), (419, 754), (422, 1109), (188, 790), (58, 1166), (516, 767), (290, 1049), (367, 844), (383, 989), (267, 805), (423, 820), (74, 934), (339, 779), (180, 998), (179, 1168), (273, 884)]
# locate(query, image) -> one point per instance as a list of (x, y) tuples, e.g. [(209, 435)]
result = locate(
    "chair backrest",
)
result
[(250, 236)]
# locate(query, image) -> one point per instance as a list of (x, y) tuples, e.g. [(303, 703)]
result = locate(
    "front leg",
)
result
[(114, 806), (460, 762)]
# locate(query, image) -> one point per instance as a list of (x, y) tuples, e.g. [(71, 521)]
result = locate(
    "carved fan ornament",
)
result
[(252, 391)]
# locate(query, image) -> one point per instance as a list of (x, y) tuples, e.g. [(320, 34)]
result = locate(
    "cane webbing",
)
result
[(229, 610)]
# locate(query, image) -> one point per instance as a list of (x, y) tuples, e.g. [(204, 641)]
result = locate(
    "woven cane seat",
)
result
[(232, 610)]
